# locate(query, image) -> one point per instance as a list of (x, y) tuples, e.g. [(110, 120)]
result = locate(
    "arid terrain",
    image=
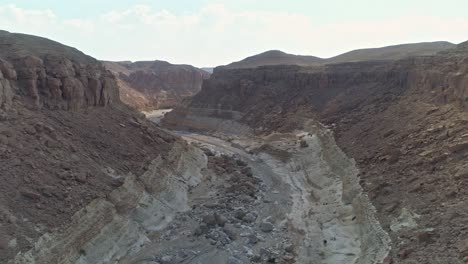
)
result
[(279, 158), (402, 121)]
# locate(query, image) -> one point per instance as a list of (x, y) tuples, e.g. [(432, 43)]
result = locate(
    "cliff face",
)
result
[(61, 79), (156, 84), (66, 143), (403, 122)]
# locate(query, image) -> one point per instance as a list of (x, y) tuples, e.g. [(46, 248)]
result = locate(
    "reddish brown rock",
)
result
[(149, 85)]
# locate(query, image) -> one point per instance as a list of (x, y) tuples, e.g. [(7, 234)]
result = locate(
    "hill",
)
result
[(395, 52)]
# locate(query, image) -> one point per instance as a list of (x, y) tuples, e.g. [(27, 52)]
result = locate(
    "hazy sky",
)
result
[(215, 32)]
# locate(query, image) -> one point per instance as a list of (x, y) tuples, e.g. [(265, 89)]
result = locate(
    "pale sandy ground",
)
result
[(156, 115)]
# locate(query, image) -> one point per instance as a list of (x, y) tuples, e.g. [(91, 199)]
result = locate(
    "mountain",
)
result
[(395, 52), (70, 153), (276, 57), (148, 85)]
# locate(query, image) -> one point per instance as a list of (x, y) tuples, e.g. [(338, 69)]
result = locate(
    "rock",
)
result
[(234, 260), (463, 247), (256, 258), (33, 195), (212, 205), (247, 171), (241, 163), (252, 238), (404, 253), (219, 236), (167, 259), (81, 177), (458, 147), (239, 214), (201, 229), (220, 219), (288, 247), (208, 152), (266, 227), (426, 237), (303, 144), (250, 217), (265, 253), (388, 260), (230, 231)]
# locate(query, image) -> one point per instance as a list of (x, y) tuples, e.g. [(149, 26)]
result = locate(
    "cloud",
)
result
[(11, 15), (215, 35)]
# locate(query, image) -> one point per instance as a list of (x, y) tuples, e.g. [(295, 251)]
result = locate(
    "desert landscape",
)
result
[(357, 158)]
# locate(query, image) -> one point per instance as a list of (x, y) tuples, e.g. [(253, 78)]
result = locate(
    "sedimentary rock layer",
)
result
[(402, 121), (149, 85)]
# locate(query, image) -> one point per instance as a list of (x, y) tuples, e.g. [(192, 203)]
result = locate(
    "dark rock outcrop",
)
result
[(53, 76)]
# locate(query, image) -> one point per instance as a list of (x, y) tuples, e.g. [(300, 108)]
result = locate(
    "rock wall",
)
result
[(150, 85), (267, 95), (7, 74), (58, 83), (58, 78)]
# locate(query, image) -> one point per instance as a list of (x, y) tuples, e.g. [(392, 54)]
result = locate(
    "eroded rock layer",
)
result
[(51, 75), (404, 122), (68, 151), (149, 85)]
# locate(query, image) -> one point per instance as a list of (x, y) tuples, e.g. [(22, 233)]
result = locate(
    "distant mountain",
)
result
[(149, 85), (275, 57), (395, 52)]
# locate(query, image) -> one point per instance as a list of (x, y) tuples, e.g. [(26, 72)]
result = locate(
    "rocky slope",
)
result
[(395, 52), (68, 151), (403, 122), (149, 85)]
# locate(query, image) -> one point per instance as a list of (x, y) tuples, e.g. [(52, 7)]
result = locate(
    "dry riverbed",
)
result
[(285, 198)]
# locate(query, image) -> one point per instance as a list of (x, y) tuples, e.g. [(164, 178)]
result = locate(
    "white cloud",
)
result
[(81, 24), (216, 35)]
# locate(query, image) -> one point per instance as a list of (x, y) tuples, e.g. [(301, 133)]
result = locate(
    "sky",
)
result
[(208, 33)]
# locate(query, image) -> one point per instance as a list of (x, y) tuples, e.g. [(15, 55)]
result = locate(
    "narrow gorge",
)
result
[(353, 161)]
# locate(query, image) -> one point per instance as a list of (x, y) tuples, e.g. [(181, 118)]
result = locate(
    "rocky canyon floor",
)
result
[(282, 198)]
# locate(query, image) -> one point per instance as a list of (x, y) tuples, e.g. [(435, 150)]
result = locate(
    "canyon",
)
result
[(402, 121), (151, 85), (358, 160)]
